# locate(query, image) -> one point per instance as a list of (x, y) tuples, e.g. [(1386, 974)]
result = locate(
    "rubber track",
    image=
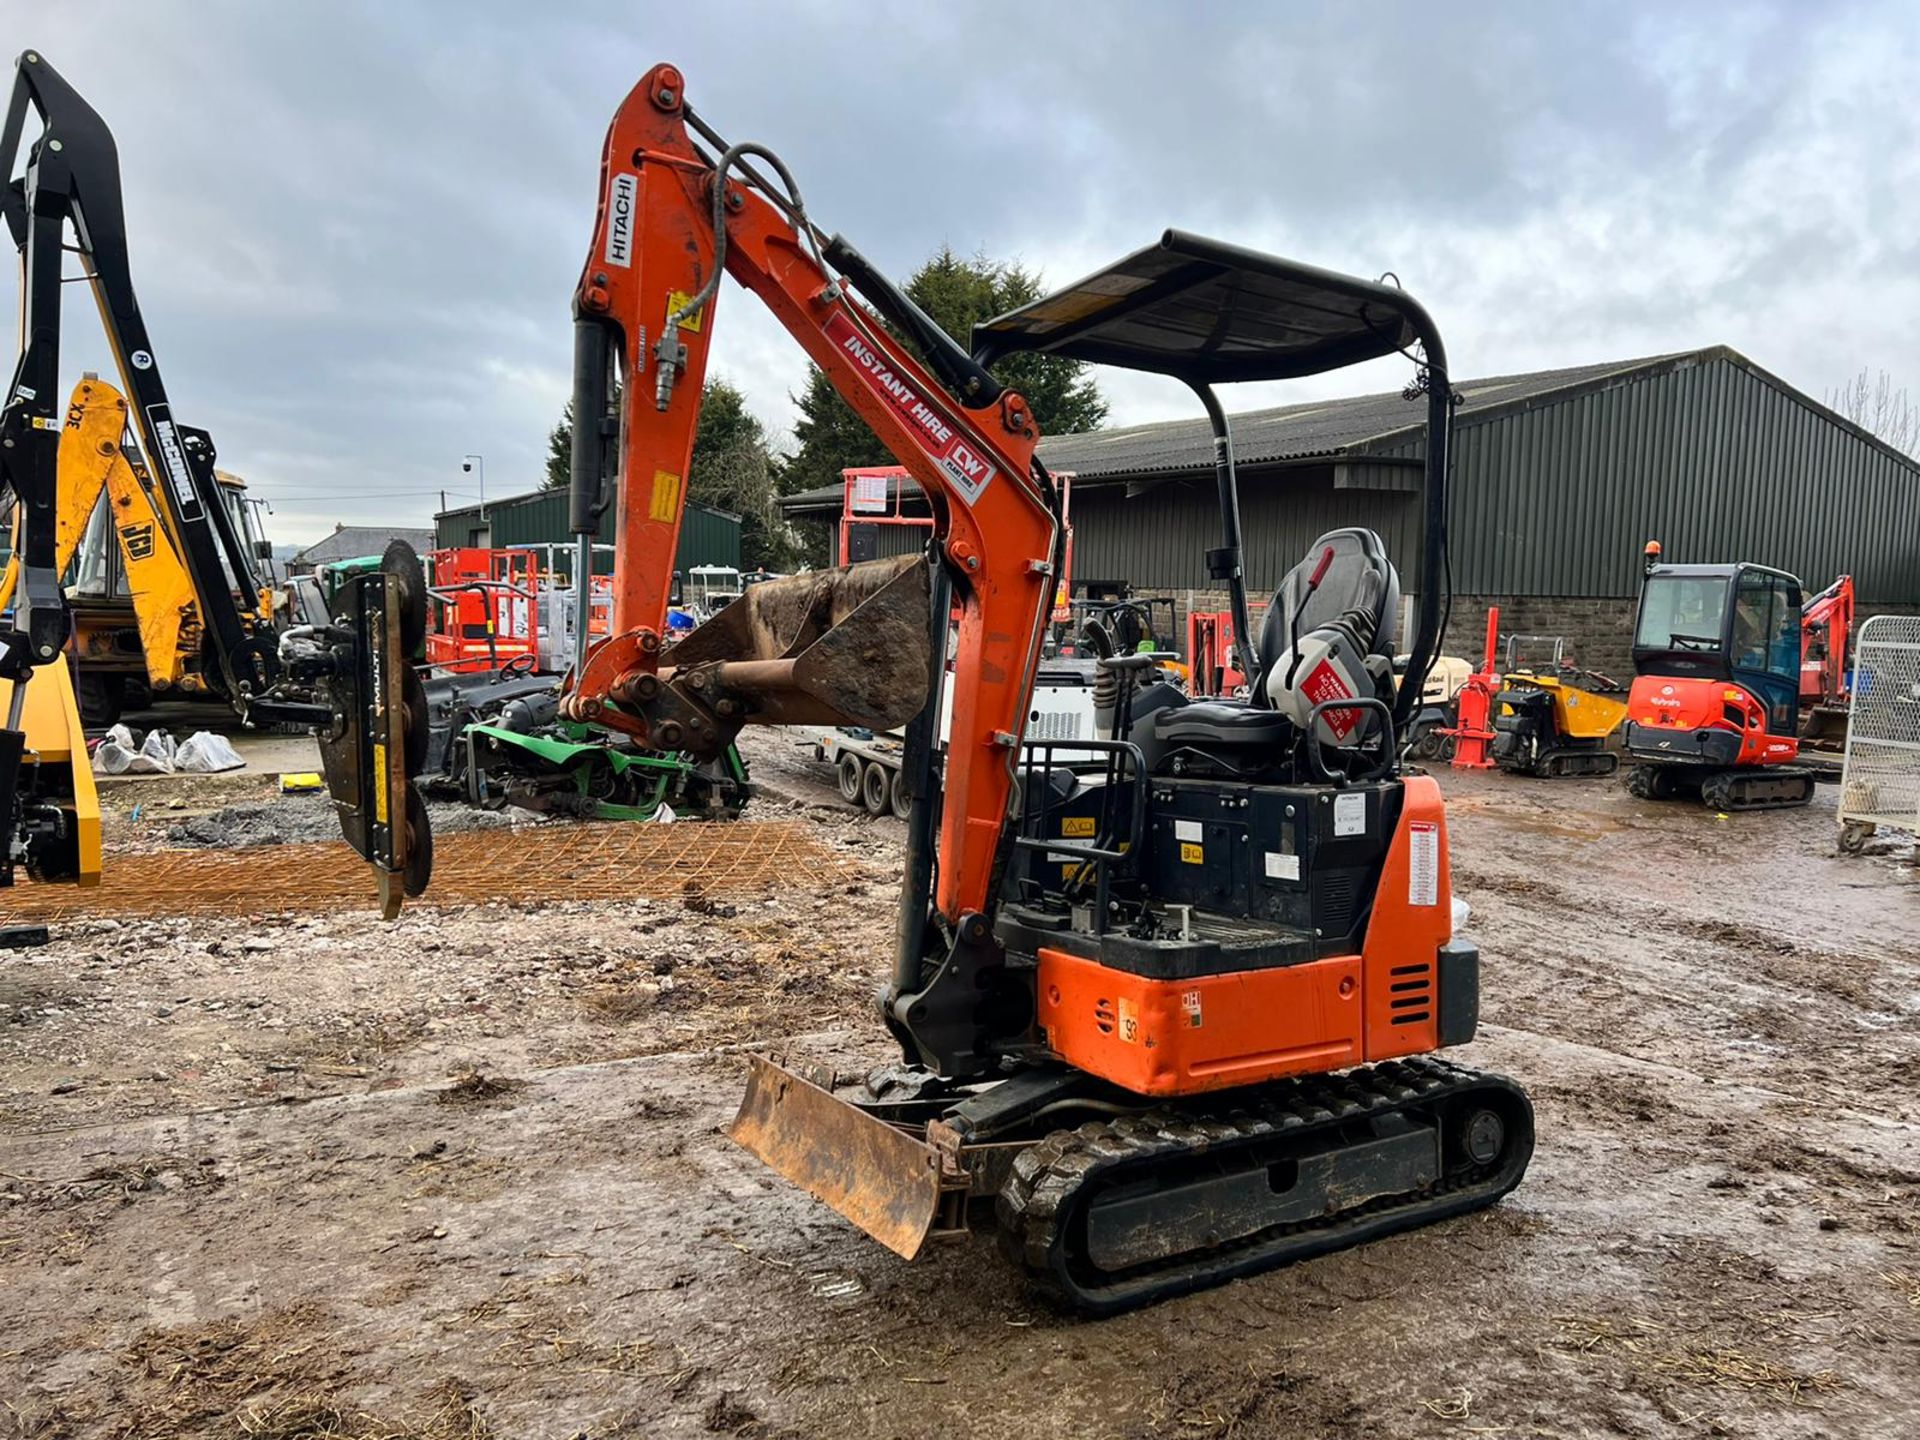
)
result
[(1038, 1201), (1734, 791)]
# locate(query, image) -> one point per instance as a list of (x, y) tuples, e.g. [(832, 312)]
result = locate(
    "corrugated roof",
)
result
[(348, 542), (1309, 430)]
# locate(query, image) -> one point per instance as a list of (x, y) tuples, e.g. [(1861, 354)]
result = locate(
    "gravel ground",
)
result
[(464, 1174)]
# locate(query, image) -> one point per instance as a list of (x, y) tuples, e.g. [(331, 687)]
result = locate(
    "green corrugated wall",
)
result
[(707, 536)]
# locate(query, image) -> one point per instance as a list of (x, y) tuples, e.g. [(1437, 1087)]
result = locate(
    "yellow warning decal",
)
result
[(678, 300), (380, 784), (1191, 854), (1077, 827), (1129, 1022), (665, 504)]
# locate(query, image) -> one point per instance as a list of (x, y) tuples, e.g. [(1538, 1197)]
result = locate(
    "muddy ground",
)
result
[(464, 1175)]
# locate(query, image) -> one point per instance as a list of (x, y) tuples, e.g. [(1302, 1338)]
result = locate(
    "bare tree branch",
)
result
[(1872, 403)]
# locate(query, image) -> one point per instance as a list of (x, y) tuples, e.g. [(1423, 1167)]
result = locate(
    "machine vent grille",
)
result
[(1410, 988), (1103, 1016), (1336, 903), (1053, 725)]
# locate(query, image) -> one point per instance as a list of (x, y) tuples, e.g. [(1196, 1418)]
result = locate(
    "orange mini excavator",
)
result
[(1175, 1019), (1723, 656)]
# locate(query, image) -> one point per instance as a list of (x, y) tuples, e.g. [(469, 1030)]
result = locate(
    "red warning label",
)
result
[(1323, 683)]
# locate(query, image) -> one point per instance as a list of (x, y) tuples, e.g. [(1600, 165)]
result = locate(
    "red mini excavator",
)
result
[(1175, 1019), (1724, 658)]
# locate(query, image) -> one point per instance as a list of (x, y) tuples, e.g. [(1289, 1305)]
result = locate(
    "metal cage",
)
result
[(1880, 786)]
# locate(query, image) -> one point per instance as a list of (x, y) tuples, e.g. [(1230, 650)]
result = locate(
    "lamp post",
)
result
[(477, 465)]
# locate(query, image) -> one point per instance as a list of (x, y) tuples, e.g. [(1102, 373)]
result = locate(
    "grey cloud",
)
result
[(356, 227)]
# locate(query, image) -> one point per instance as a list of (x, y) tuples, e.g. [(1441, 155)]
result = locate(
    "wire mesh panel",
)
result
[(1881, 782), (612, 861)]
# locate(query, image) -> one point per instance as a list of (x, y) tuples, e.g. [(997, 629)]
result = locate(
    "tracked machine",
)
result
[(204, 621), (1552, 720), (1177, 1020), (1714, 711)]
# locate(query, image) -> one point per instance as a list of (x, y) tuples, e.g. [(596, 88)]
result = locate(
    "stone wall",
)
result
[(1598, 632)]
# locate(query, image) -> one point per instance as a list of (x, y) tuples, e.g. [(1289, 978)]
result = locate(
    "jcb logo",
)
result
[(138, 540)]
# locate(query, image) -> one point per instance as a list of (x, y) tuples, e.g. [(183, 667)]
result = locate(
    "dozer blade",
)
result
[(831, 647), (881, 1178)]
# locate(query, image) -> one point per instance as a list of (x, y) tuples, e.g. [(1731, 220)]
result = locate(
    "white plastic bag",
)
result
[(205, 753), (114, 754), (156, 755)]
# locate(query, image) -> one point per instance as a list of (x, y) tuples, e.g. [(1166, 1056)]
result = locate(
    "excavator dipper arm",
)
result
[(671, 218)]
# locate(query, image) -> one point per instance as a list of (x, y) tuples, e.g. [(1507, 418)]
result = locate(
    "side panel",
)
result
[(1412, 919), (1182, 1037), (1682, 708)]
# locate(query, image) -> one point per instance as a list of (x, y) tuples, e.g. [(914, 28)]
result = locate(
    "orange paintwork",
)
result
[(1404, 936), (1679, 704), (483, 613), (653, 248), (1181, 1037), (1184, 1037)]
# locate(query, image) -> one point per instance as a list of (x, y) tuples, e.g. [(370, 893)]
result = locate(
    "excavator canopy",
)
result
[(1212, 313)]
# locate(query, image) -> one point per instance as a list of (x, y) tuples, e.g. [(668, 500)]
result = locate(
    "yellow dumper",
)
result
[(1546, 725)]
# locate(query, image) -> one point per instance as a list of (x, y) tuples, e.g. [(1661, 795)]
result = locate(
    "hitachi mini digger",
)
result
[(1176, 1018)]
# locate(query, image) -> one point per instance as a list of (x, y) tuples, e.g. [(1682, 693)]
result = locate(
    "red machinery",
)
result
[(1472, 732), (1724, 657), (1210, 654), (1132, 1051), (1826, 654), (484, 608), (874, 496)]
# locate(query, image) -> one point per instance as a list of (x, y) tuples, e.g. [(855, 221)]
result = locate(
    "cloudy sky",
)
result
[(356, 227)]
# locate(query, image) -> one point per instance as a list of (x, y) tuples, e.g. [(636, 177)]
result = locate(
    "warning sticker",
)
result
[(1323, 683), (1423, 862), (1192, 854), (678, 300), (1190, 1003), (1078, 827), (935, 431), (1129, 1022), (665, 502), (1350, 814), (1282, 867)]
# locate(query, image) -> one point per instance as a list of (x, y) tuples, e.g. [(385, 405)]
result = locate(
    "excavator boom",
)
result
[(672, 218)]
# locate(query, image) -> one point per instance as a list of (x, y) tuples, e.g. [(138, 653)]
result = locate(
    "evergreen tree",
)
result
[(560, 451), (731, 470)]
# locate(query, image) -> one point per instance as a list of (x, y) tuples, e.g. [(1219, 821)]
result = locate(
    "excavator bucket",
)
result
[(876, 1175), (829, 647)]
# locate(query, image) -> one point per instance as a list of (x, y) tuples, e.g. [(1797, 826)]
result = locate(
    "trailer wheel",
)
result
[(850, 774), (897, 793), (875, 788)]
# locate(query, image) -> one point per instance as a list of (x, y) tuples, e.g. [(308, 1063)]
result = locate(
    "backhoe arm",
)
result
[(671, 217), (72, 183)]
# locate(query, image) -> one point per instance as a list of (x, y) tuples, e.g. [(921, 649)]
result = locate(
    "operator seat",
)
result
[(1359, 578)]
